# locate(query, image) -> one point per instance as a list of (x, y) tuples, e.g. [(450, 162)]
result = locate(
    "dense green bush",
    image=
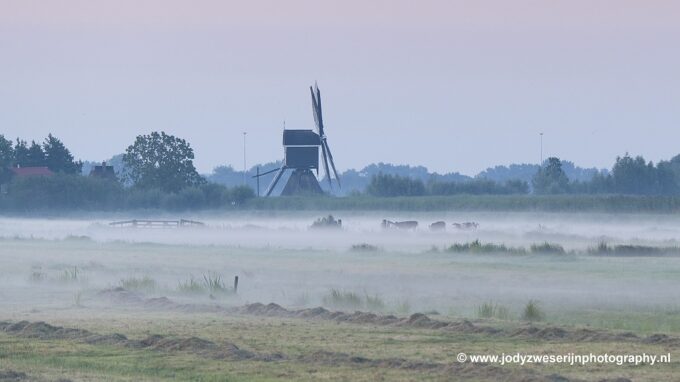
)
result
[(395, 185), (62, 192), (75, 192)]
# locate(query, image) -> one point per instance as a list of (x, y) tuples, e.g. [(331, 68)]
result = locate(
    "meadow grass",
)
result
[(347, 300), (210, 283), (70, 275), (479, 247), (533, 312), (547, 248), (491, 310), (339, 299), (191, 286), (145, 283), (605, 249), (363, 247)]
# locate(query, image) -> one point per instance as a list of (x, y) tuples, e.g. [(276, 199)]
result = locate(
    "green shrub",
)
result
[(548, 248), (374, 303), (477, 247), (70, 275), (338, 299), (191, 286), (533, 312), (145, 283), (363, 247), (490, 310)]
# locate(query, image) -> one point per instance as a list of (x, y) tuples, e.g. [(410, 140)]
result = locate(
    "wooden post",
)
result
[(235, 284)]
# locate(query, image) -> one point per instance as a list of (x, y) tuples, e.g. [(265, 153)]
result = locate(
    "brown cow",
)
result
[(438, 226), (468, 226), (407, 225)]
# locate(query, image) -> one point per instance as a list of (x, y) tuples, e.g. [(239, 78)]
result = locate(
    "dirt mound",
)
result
[(417, 320), (337, 359), (547, 333), (194, 345), (270, 309), (589, 335), (159, 303), (11, 376), (44, 331), (190, 344), (121, 295), (662, 339), (456, 370), (487, 372), (552, 333), (317, 312)]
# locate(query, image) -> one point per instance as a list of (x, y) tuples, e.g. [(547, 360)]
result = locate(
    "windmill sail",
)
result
[(324, 144), (325, 149)]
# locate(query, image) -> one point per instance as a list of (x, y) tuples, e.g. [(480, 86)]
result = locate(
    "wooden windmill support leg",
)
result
[(274, 181)]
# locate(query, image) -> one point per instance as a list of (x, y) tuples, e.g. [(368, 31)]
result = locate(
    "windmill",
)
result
[(301, 154)]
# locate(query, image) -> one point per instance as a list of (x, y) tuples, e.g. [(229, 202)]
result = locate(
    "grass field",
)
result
[(517, 203), (161, 305)]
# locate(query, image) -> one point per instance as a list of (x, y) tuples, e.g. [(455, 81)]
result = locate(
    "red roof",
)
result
[(31, 171)]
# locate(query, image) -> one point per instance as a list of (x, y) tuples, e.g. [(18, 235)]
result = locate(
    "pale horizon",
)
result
[(452, 86)]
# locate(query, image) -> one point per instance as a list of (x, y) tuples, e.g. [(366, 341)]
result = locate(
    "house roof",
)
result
[(103, 171), (300, 138), (31, 171)]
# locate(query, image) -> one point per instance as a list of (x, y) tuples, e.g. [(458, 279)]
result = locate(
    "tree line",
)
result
[(159, 167), (159, 173), (628, 176)]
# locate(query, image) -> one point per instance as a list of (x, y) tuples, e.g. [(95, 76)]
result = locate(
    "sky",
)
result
[(451, 85)]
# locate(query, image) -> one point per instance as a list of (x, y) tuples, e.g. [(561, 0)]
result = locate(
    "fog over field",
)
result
[(278, 258)]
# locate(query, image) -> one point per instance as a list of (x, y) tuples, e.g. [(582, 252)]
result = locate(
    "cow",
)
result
[(438, 226), (467, 226), (406, 225)]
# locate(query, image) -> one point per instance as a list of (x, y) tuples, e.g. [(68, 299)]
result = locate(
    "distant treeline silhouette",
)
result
[(156, 171)]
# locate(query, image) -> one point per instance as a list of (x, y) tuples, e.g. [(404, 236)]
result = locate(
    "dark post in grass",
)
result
[(235, 284)]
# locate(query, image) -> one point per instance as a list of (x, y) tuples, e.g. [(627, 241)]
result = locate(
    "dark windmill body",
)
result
[(301, 154)]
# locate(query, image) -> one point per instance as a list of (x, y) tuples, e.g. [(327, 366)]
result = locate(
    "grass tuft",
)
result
[(604, 249), (548, 249), (211, 283), (339, 299), (363, 247), (191, 286), (533, 312), (374, 303), (490, 310), (71, 275), (145, 283), (478, 247)]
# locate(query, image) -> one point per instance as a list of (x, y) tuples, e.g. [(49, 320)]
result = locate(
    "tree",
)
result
[(35, 156), (551, 179), (161, 161), (395, 185), (633, 175), (58, 158), (6, 158), (28, 156)]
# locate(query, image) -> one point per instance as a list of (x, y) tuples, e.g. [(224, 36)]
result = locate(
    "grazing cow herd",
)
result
[(435, 227)]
